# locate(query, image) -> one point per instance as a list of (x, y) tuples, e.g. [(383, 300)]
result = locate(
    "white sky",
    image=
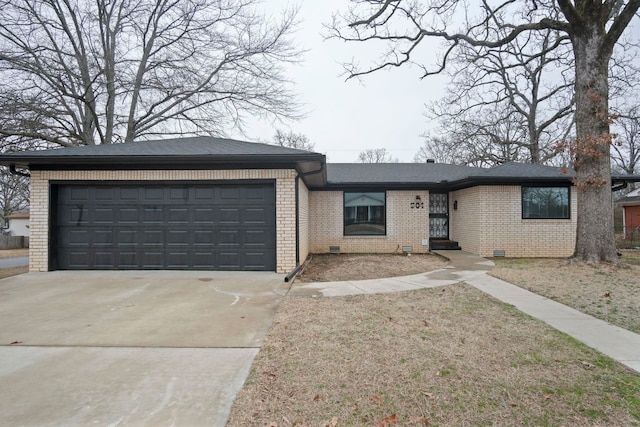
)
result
[(384, 110)]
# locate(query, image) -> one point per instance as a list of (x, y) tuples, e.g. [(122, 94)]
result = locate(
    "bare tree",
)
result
[(512, 105), (293, 140), (593, 27), (626, 147), (480, 139), (76, 73), (14, 192), (376, 155)]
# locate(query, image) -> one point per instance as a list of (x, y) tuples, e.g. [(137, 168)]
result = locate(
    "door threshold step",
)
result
[(444, 245)]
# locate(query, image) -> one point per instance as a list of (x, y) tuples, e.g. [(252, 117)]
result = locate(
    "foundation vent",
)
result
[(499, 253), (334, 249)]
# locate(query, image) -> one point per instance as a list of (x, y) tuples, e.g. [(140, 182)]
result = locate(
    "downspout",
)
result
[(291, 276)]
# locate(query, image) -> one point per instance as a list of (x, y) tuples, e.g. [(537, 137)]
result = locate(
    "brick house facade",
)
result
[(512, 210)]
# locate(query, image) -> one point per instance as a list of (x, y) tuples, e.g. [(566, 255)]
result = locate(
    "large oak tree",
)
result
[(79, 72), (593, 26)]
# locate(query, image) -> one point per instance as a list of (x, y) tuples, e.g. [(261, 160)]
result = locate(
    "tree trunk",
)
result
[(595, 235)]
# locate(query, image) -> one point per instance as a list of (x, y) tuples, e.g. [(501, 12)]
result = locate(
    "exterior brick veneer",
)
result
[(406, 226), (489, 218), (303, 220), (285, 203)]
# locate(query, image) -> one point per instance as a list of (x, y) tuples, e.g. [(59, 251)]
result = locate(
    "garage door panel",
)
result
[(127, 237), (104, 216), (255, 216), (254, 238), (103, 260), (202, 215), (128, 216), (228, 216), (178, 215), (151, 260), (153, 194), (130, 194), (255, 260), (178, 260), (103, 237), (203, 194), (77, 259), (229, 193), (229, 261), (103, 194), (78, 194), (228, 238), (204, 238), (152, 237), (178, 194), (178, 238), (76, 238), (256, 194), (205, 226), (152, 215)]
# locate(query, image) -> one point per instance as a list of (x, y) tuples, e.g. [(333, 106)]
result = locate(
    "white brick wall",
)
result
[(406, 226), (285, 203), (303, 212), (489, 218)]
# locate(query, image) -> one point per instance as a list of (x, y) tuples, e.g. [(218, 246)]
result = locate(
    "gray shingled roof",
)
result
[(438, 173), (194, 146), (221, 152), (395, 173), (525, 170)]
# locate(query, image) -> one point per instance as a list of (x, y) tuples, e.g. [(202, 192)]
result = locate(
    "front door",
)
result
[(439, 216)]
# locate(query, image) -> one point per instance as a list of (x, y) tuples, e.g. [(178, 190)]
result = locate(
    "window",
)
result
[(364, 214), (545, 202)]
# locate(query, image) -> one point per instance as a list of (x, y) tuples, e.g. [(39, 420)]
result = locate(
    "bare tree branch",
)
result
[(114, 71)]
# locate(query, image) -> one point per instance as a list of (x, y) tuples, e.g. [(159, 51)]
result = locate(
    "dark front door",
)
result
[(202, 226), (438, 215)]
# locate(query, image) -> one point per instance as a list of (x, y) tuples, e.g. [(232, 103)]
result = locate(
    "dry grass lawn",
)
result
[(338, 267), (448, 356), (13, 271), (11, 253), (610, 293)]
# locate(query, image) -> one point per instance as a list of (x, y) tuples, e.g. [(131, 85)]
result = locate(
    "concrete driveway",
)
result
[(130, 348)]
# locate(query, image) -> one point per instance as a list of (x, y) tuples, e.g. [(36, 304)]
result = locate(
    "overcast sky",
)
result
[(384, 110)]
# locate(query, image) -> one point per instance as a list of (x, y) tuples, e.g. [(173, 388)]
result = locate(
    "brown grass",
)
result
[(11, 253), (610, 293), (443, 357), (338, 267), (13, 271)]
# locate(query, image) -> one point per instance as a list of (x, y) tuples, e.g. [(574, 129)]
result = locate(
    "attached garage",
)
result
[(198, 203), (185, 226)]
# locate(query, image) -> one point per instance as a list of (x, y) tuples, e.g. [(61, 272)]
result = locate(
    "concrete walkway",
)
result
[(613, 341)]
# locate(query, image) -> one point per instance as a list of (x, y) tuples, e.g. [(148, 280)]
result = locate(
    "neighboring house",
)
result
[(17, 224), (630, 213), (217, 204)]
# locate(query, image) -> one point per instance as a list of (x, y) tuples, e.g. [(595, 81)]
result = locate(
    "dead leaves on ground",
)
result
[(390, 421)]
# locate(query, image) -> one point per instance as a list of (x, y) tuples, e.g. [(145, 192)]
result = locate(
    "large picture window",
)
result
[(364, 213), (545, 203)]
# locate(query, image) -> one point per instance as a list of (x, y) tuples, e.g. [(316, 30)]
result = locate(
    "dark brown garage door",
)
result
[(173, 226)]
